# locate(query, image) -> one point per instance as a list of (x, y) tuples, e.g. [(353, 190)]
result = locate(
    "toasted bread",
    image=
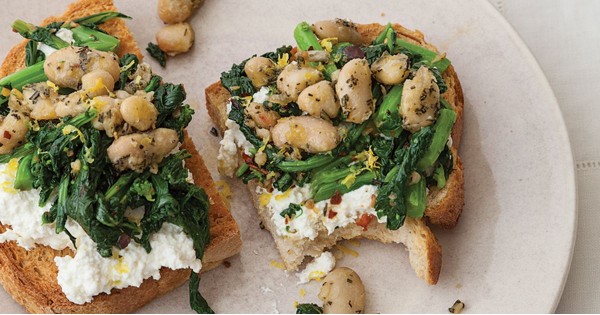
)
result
[(443, 206), (30, 276)]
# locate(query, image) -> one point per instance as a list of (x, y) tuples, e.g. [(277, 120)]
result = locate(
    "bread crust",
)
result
[(444, 206), (30, 276)]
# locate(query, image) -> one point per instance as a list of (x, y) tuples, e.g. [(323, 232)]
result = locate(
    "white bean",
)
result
[(97, 83), (296, 77), (260, 70), (390, 69), (109, 116), (307, 133), (140, 150), (40, 100), (342, 292), (66, 67), (353, 89), (176, 38), (13, 129), (343, 30), (139, 112), (319, 98), (174, 11), (263, 117), (71, 105), (420, 100)]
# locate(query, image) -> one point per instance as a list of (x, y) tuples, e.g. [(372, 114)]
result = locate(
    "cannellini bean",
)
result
[(176, 38), (343, 30), (140, 150), (319, 98), (174, 11), (109, 115), (262, 116), (13, 129), (353, 89), (97, 83), (71, 105), (308, 133), (342, 292), (66, 67), (40, 100), (121, 94), (260, 70), (296, 77), (139, 113), (420, 100), (390, 69)]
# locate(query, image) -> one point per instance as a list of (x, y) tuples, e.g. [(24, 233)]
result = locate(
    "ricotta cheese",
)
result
[(233, 139), (317, 269), (311, 220), (87, 273), (261, 96), (64, 34)]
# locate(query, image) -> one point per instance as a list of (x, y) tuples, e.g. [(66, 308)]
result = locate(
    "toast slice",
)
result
[(30, 276), (443, 206)]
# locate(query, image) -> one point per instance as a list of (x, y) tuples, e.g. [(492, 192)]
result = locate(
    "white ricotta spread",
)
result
[(87, 273), (308, 224), (354, 204), (233, 139), (64, 34), (317, 269), (20, 210)]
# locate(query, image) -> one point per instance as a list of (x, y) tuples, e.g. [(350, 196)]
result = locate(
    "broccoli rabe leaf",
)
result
[(308, 308), (236, 81), (156, 53)]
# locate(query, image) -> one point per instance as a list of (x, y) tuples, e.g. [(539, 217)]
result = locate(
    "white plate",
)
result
[(512, 248)]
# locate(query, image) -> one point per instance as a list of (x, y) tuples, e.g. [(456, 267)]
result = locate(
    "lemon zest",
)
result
[(277, 264), (283, 60), (265, 199), (346, 250)]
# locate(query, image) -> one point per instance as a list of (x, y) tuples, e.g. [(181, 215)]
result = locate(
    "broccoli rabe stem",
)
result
[(24, 177), (19, 79), (442, 130), (85, 36), (430, 56), (387, 119), (416, 195), (305, 38), (26, 30), (381, 37), (100, 18), (306, 165), (328, 190)]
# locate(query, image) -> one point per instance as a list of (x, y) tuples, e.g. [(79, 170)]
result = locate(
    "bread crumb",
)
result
[(227, 264), (382, 14), (458, 285), (266, 289)]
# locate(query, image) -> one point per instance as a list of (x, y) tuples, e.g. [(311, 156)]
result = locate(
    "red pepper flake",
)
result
[(254, 167), (331, 214), (364, 220), (7, 135), (336, 199), (247, 158)]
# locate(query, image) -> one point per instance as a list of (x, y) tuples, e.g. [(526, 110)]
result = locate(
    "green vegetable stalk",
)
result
[(305, 38), (432, 57), (24, 177), (387, 119), (416, 195), (442, 129)]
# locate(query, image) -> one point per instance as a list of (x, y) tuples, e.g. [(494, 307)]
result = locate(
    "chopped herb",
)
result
[(309, 308), (292, 211)]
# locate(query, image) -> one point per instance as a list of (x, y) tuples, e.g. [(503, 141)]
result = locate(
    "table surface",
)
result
[(563, 35)]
